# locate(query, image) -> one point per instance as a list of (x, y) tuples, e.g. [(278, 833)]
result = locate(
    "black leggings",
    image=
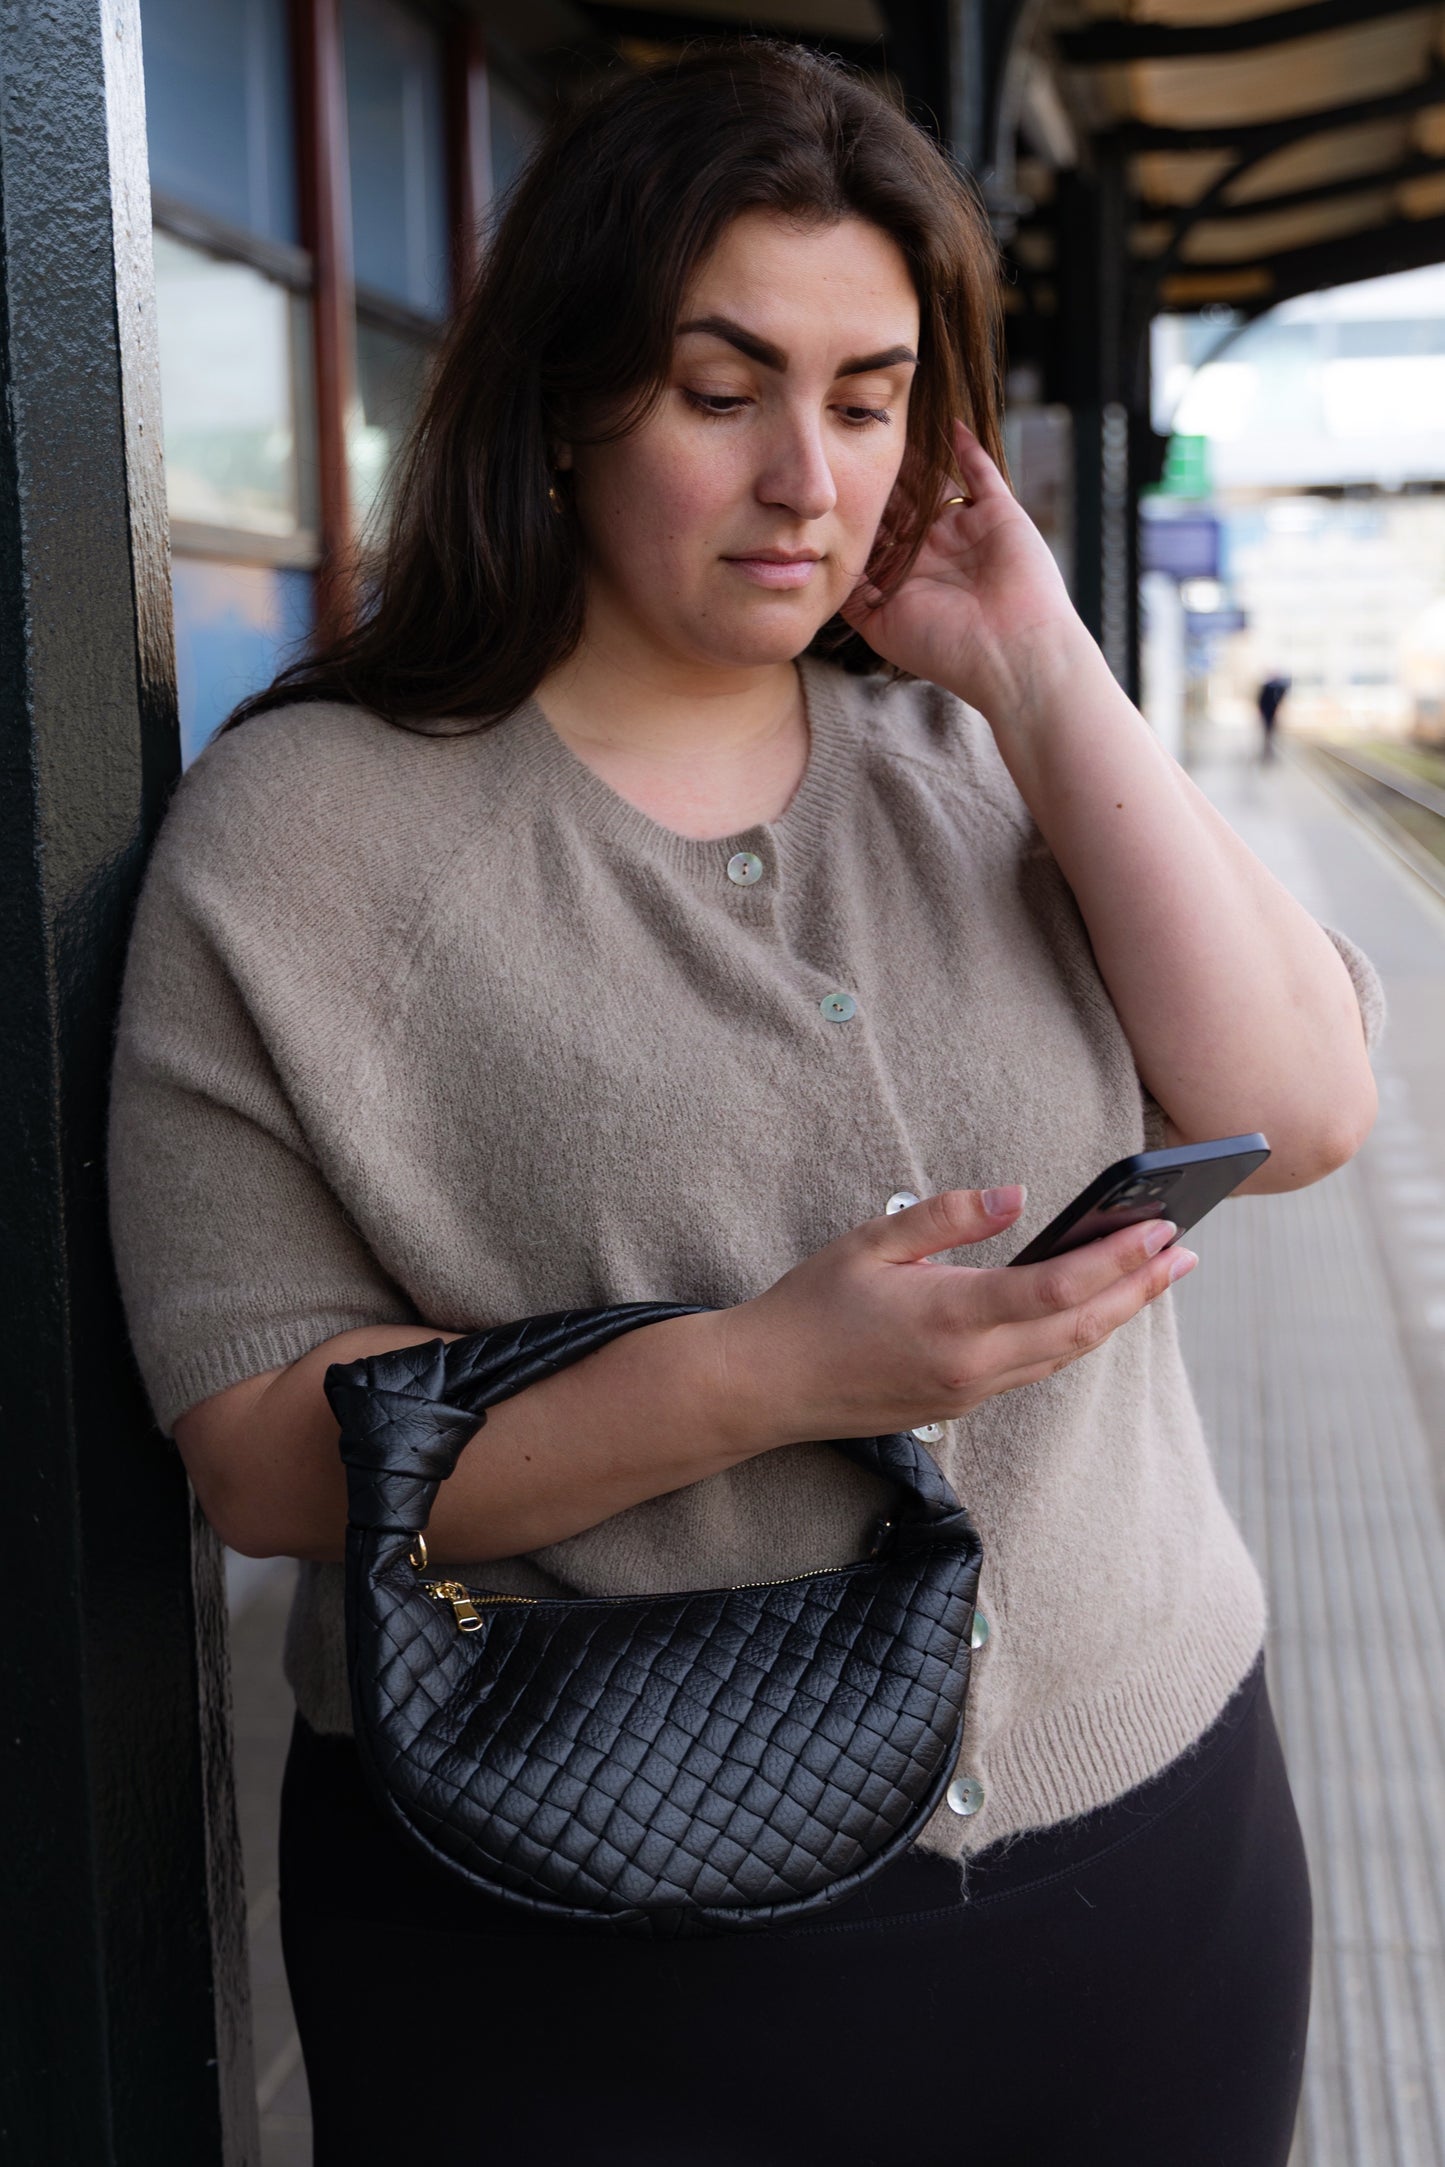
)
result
[(1125, 1990)]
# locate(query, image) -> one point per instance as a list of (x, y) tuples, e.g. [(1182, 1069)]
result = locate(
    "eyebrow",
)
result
[(772, 357)]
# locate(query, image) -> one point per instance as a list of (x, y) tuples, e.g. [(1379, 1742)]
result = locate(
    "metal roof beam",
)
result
[(1108, 43)]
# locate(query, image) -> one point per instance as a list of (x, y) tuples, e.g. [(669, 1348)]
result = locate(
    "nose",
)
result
[(796, 473)]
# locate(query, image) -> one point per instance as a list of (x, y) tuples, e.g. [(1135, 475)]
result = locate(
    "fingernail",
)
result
[(1160, 1234), (1000, 1203), (1182, 1261)]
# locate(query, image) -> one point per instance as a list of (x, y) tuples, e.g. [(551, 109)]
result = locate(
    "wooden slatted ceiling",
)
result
[(1424, 198), (1373, 146), (1182, 11), (1237, 241), (1380, 173), (1173, 179), (1304, 75)]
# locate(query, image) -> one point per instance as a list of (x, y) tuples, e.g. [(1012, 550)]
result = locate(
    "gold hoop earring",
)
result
[(552, 497)]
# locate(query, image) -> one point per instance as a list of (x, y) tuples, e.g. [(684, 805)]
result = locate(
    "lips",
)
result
[(776, 568)]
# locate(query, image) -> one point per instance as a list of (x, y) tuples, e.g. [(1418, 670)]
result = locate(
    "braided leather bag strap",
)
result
[(406, 1415)]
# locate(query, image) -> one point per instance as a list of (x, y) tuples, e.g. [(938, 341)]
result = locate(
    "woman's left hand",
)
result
[(1238, 1009), (983, 597)]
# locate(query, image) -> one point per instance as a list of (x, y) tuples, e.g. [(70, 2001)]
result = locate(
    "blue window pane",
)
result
[(236, 624), (235, 390), (398, 161), (218, 109)]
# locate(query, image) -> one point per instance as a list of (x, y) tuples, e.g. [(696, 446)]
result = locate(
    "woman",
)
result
[(577, 931)]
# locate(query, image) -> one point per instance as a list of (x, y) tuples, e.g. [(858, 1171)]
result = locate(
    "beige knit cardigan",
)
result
[(440, 1028)]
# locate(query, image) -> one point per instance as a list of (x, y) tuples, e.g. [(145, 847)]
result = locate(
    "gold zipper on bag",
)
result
[(464, 1604), (464, 1610), (819, 1572), (881, 1534), (456, 1593)]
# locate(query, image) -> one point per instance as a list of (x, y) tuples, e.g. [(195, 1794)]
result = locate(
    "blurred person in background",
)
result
[(1269, 700)]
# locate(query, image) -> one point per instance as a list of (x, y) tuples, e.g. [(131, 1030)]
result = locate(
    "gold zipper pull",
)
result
[(464, 1610)]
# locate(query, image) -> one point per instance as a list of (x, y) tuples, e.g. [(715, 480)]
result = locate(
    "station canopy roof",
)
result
[(1269, 147)]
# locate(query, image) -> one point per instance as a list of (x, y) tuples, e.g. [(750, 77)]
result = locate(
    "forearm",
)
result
[(653, 1410), (1238, 1008)]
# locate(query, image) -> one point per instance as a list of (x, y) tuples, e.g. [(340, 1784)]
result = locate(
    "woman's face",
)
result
[(734, 521)]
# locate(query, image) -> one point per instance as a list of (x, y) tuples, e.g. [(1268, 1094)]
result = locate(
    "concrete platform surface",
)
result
[(1315, 1329)]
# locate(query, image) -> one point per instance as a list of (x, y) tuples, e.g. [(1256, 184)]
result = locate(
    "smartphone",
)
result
[(1182, 1185)]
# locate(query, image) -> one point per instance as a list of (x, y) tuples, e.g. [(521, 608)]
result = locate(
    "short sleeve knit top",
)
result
[(442, 1029)]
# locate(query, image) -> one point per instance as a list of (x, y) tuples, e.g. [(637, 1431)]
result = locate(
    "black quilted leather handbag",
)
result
[(661, 1764)]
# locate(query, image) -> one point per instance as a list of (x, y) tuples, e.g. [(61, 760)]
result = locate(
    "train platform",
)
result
[(1315, 1330)]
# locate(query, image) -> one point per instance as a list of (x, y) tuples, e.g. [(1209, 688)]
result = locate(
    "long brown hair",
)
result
[(566, 336)]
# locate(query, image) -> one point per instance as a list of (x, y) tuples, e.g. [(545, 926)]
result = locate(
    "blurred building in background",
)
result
[(1317, 452)]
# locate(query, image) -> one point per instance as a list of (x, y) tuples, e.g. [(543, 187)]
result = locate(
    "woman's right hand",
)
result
[(869, 1336)]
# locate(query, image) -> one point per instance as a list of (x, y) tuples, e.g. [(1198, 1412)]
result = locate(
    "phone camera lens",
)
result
[(1145, 1189)]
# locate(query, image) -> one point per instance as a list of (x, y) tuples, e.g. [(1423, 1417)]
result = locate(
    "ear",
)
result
[(562, 458)]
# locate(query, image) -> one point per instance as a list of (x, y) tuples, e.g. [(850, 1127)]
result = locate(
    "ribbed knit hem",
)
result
[(1082, 1754), (246, 1354), (1369, 991)]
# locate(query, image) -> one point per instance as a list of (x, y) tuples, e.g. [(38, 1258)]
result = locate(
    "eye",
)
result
[(715, 402), (859, 417)]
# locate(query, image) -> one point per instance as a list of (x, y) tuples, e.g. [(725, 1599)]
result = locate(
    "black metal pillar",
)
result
[(969, 116), (982, 36), (916, 54), (1096, 375), (125, 2035)]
